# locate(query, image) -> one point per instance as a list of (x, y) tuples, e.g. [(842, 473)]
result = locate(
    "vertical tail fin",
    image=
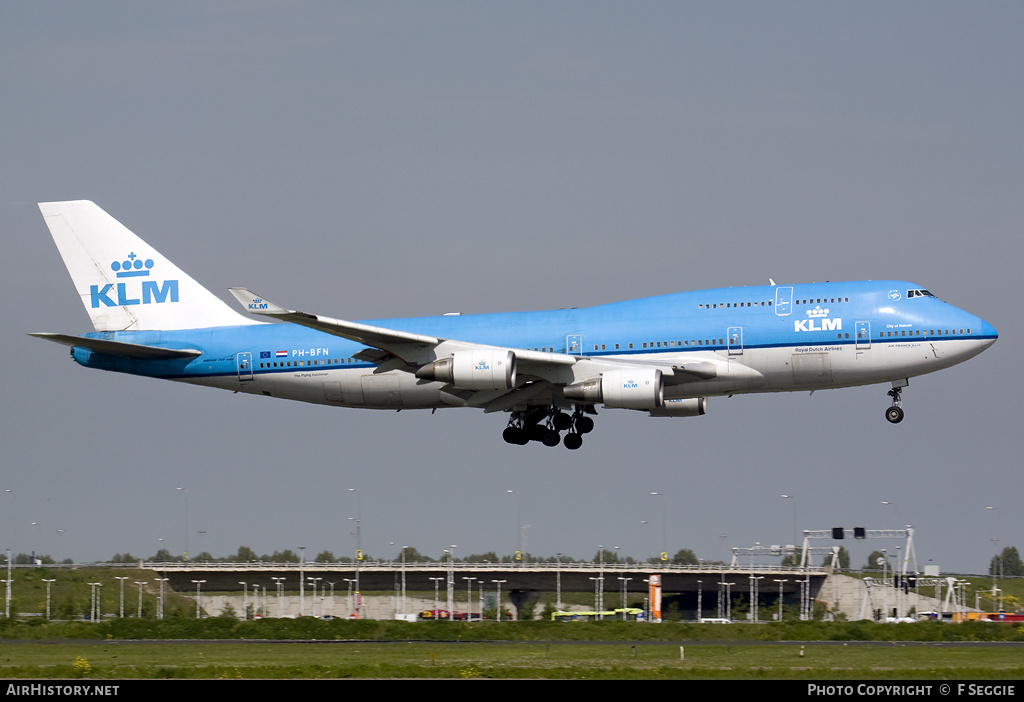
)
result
[(123, 282)]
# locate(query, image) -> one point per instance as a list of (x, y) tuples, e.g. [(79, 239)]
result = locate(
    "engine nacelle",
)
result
[(639, 389), (686, 407), (482, 369)]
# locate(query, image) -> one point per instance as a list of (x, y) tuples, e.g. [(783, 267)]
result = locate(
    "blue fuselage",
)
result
[(779, 337)]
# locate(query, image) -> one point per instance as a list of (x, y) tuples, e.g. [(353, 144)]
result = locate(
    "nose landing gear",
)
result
[(895, 413)]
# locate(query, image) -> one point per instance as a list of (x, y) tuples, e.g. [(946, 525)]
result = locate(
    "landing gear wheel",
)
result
[(584, 424), (894, 414), (572, 441), (561, 421), (550, 438), (514, 435)]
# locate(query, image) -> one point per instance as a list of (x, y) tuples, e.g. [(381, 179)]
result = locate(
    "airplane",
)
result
[(549, 370)]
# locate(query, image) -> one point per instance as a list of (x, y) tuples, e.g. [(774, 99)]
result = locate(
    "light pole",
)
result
[(94, 609), (404, 612), (280, 591), (199, 596), (45, 580), (318, 605), (780, 596), (469, 597), (437, 581), (302, 583), (597, 606), (160, 601), (558, 585), (184, 493), (138, 614), (700, 604), (753, 595), (120, 596), (451, 582), (359, 543), (625, 586), (519, 535), (499, 582), (793, 498), (8, 582), (996, 572), (350, 583), (664, 528), (245, 597)]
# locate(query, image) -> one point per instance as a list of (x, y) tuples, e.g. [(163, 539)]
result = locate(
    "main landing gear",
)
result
[(895, 413), (544, 424)]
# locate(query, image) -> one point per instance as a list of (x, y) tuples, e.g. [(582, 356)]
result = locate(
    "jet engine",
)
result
[(639, 389), (478, 369)]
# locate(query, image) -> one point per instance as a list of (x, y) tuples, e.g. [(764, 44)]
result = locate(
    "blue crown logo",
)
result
[(132, 267)]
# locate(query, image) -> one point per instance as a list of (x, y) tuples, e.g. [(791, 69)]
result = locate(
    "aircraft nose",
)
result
[(988, 333)]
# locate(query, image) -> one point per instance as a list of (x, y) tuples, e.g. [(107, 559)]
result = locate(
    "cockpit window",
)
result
[(919, 293)]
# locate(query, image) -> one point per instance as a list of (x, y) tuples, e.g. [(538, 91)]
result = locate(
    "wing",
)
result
[(414, 349), (495, 378)]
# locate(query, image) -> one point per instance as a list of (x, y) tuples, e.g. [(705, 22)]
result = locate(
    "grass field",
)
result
[(556, 660)]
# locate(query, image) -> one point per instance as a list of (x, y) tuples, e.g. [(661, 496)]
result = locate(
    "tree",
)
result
[(844, 558), (245, 555), (685, 556), (286, 556), (413, 556), (489, 557), (873, 563), (1006, 563), (164, 556)]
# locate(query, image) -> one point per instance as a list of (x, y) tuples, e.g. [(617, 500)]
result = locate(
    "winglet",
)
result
[(257, 305)]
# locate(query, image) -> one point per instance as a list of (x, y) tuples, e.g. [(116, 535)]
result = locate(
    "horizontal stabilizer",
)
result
[(119, 348)]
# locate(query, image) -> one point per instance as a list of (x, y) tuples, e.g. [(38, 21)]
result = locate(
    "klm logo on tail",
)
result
[(145, 292)]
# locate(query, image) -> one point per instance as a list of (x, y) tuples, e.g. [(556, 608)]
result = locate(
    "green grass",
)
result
[(127, 660), (225, 647)]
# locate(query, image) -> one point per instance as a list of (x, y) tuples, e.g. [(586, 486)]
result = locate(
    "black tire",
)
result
[(561, 421), (572, 441), (550, 438), (894, 414), (584, 425)]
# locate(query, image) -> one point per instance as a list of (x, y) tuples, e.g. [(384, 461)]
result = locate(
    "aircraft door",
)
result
[(784, 301), (735, 336), (244, 363), (863, 331), (574, 345)]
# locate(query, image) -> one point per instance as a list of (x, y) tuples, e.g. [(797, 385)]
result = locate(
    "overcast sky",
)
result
[(390, 159)]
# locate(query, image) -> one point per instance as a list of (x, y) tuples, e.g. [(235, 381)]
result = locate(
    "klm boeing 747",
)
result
[(548, 370)]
